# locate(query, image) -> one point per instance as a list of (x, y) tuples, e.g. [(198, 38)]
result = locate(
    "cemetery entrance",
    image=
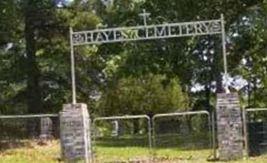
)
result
[(145, 32), (135, 33), (139, 33)]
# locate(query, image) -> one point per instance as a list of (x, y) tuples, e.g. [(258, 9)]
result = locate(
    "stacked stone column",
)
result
[(75, 133), (229, 127)]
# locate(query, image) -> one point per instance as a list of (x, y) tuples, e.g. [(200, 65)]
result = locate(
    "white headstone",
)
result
[(115, 131), (46, 126)]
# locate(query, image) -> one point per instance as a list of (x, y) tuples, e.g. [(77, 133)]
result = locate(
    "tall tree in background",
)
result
[(38, 16), (11, 57), (194, 61), (34, 54), (34, 97)]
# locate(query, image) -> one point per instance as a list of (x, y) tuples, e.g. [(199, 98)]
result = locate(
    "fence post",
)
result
[(153, 132), (244, 115), (213, 134), (149, 133)]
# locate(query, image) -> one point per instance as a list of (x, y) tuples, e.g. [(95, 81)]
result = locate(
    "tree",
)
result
[(35, 66), (149, 94), (34, 54), (12, 52), (193, 60), (248, 44)]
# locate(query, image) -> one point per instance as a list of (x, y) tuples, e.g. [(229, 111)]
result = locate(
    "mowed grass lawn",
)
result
[(50, 153)]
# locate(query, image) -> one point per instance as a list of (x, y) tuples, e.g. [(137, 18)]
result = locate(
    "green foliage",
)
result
[(249, 54), (148, 94), (35, 62)]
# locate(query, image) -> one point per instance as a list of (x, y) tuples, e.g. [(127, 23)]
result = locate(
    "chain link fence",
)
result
[(255, 129), (122, 138), (172, 137), (185, 133), (24, 130)]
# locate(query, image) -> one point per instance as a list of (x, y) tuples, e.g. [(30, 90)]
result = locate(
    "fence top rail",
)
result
[(122, 117), (28, 116), (181, 113), (256, 109)]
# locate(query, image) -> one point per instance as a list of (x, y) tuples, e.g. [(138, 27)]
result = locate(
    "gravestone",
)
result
[(46, 126), (75, 132), (115, 130), (229, 126)]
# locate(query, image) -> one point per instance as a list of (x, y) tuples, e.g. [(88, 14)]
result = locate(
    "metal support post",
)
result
[(213, 134), (72, 68), (224, 45), (244, 115), (224, 54)]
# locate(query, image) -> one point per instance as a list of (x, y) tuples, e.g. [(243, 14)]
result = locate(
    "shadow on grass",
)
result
[(161, 142), (24, 143), (184, 142), (125, 141), (12, 144)]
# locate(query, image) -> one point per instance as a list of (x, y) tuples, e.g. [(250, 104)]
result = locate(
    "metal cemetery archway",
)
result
[(145, 32)]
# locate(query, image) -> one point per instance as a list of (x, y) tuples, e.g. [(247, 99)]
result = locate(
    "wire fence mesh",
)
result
[(128, 136), (23, 130), (184, 133), (256, 123), (175, 136)]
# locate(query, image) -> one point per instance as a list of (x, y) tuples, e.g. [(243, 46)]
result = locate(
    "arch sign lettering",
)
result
[(146, 32)]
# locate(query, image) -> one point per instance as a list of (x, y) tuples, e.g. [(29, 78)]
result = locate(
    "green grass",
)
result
[(125, 148), (50, 153), (109, 154), (31, 153)]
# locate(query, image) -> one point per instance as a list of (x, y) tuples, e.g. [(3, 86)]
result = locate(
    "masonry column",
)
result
[(229, 126), (75, 132)]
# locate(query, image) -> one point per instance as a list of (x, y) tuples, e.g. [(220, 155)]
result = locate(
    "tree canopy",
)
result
[(133, 77)]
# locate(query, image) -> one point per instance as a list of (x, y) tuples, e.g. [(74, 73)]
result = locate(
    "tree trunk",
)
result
[(34, 101), (136, 126), (189, 123), (254, 91), (249, 92), (207, 94)]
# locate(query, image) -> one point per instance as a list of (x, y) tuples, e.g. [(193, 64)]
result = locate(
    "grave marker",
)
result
[(46, 126)]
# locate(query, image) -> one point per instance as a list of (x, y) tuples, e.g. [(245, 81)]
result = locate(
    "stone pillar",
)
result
[(229, 127), (75, 133)]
